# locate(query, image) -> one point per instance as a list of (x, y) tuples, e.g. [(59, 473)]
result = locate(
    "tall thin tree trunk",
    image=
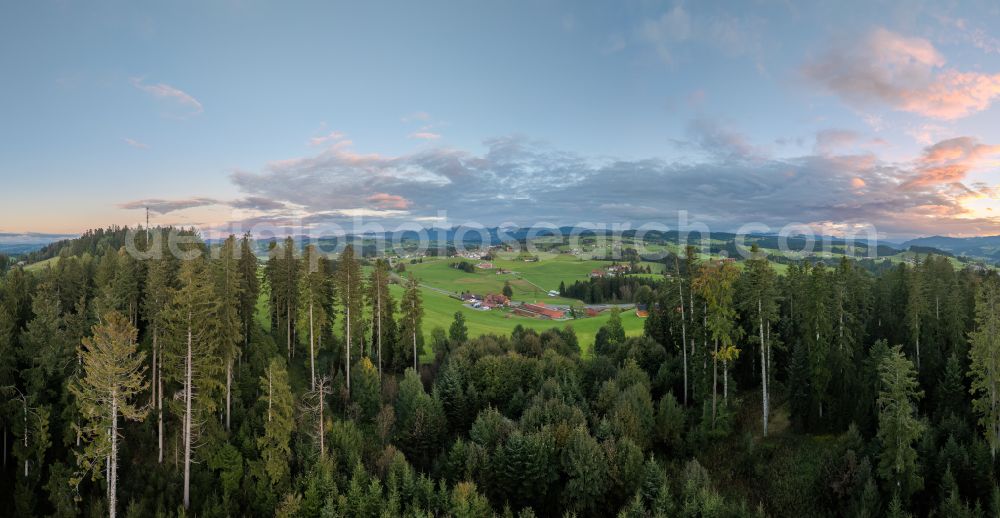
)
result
[(229, 385), (269, 393), (113, 464), (24, 400), (152, 399), (347, 328), (187, 417), (680, 293), (763, 364), (725, 382), (715, 379), (413, 325), (378, 319), (288, 327), (322, 445), (159, 412), (312, 351)]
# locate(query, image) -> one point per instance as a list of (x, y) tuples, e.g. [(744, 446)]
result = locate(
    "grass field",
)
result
[(530, 281), (439, 311), (41, 265)]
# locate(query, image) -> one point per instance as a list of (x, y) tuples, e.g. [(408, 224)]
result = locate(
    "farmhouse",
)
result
[(641, 310), (468, 296), (496, 300)]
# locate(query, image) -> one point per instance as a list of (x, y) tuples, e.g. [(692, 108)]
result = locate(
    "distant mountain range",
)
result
[(985, 247), (22, 243)]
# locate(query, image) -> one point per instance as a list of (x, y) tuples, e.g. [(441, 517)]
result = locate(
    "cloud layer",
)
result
[(908, 74), (840, 186)]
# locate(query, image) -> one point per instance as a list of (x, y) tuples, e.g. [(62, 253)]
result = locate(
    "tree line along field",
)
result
[(440, 309), (530, 281)]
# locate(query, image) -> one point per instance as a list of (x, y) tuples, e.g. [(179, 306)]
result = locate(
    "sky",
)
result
[(315, 116)]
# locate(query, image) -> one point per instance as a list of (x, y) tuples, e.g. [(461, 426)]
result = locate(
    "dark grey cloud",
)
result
[(257, 203), (525, 181), (161, 206)]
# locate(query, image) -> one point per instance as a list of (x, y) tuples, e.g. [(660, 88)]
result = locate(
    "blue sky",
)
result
[(229, 114)]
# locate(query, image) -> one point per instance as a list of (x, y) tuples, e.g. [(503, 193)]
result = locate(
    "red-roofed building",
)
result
[(542, 311), (496, 300)]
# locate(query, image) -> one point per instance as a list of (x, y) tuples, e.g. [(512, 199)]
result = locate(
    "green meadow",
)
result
[(530, 281), (440, 309)]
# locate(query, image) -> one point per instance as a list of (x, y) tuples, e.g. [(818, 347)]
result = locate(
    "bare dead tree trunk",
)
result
[(159, 412), (113, 464), (347, 336), (763, 364), (715, 379), (24, 400)]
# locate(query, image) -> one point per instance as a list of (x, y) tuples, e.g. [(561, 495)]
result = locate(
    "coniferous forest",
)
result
[(212, 382)]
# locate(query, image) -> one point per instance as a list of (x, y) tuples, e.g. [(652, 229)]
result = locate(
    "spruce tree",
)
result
[(413, 314), (161, 278), (899, 428), (984, 357), (249, 285), (113, 376), (349, 289), (275, 444), (312, 317), (715, 284), (381, 303), (759, 301), (194, 354), (229, 325)]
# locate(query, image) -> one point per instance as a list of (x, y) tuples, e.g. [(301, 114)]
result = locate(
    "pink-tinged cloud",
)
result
[(389, 201), (906, 73), (858, 183), (323, 139), (953, 95), (425, 135), (165, 91), (948, 162)]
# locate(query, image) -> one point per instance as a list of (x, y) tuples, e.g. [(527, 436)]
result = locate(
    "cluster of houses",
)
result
[(490, 301), (612, 270), (474, 254)]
